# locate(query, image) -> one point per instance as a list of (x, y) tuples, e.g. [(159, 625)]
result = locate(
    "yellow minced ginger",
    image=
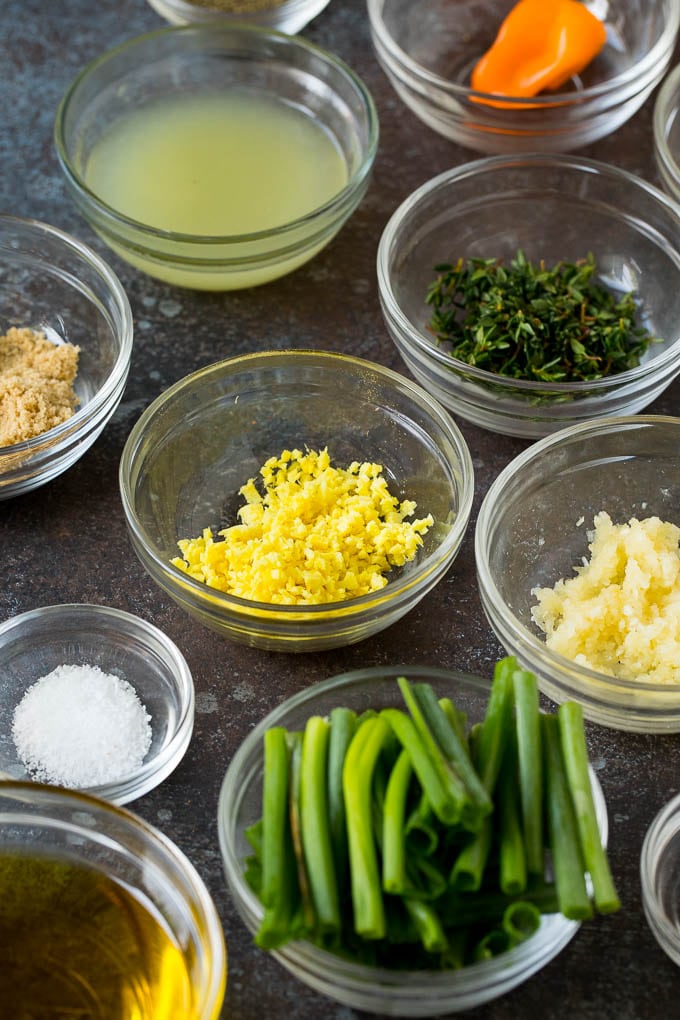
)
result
[(318, 534), (620, 614)]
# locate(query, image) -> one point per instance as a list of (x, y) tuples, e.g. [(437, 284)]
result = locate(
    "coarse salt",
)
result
[(79, 727)]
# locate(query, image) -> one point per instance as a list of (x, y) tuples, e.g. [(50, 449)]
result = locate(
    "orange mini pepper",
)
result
[(540, 46)]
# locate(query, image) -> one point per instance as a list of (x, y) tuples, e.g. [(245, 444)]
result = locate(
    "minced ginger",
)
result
[(318, 534), (620, 614), (36, 384)]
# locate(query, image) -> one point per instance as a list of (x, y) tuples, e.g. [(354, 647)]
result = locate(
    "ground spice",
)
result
[(36, 384), (79, 727)]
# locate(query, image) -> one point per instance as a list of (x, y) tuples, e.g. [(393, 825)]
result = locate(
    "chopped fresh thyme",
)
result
[(532, 322)]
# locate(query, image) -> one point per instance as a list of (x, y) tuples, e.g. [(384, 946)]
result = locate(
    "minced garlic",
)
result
[(620, 614), (318, 534)]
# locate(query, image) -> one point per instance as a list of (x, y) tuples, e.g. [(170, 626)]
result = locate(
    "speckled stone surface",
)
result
[(68, 542)]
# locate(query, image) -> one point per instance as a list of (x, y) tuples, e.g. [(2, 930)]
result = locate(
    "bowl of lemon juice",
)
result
[(217, 158)]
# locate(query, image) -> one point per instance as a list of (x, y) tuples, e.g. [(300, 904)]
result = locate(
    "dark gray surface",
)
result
[(68, 542)]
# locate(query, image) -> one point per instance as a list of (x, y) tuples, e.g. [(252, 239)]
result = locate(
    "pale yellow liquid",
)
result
[(77, 944), (216, 165)]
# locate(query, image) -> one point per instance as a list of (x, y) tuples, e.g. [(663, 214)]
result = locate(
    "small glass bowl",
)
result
[(42, 823), (285, 16), (428, 51), (217, 59), (553, 208), (667, 133), (376, 990), (532, 530), (36, 642), (51, 283), (205, 437), (660, 878)]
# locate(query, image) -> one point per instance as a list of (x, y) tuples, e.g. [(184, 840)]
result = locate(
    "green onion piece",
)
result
[(307, 912), (276, 890), (512, 856), (575, 755), (444, 804), (521, 920), (449, 776), (394, 877), (563, 835), (343, 725), (428, 925), (493, 734), (436, 720), (316, 836), (492, 944), (469, 866), (530, 758), (360, 761)]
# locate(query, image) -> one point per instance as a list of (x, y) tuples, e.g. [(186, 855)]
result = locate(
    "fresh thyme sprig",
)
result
[(531, 322)]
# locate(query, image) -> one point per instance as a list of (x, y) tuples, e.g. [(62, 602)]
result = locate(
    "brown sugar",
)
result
[(36, 384)]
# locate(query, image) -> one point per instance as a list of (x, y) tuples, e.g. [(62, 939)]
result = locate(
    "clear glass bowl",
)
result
[(660, 878), (52, 283), (667, 133), (200, 441), (286, 16), (36, 642), (217, 58), (428, 50), (44, 823), (553, 208), (376, 990), (528, 535)]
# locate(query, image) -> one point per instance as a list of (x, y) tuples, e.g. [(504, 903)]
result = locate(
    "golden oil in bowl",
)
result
[(78, 943)]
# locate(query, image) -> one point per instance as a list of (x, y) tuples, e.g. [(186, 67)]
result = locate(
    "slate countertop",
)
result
[(67, 541)]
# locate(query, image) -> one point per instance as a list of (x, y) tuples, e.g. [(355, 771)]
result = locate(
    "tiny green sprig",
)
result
[(527, 321)]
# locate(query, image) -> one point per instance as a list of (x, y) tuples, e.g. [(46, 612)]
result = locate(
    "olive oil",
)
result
[(216, 165), (76, 943)]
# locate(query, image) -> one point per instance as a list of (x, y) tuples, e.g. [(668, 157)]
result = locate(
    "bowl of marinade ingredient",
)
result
[(219, 156), (65, 345), (578, 564), (524, 76), (528, 293), (296, 500), (391, 791), (102, 916), (284, 15)]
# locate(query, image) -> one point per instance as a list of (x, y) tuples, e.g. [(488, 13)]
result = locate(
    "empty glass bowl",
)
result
[(53, 284), (199, 442), (553, 208), (201, 77), (35, 643), (532, 531), (428, 50)]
